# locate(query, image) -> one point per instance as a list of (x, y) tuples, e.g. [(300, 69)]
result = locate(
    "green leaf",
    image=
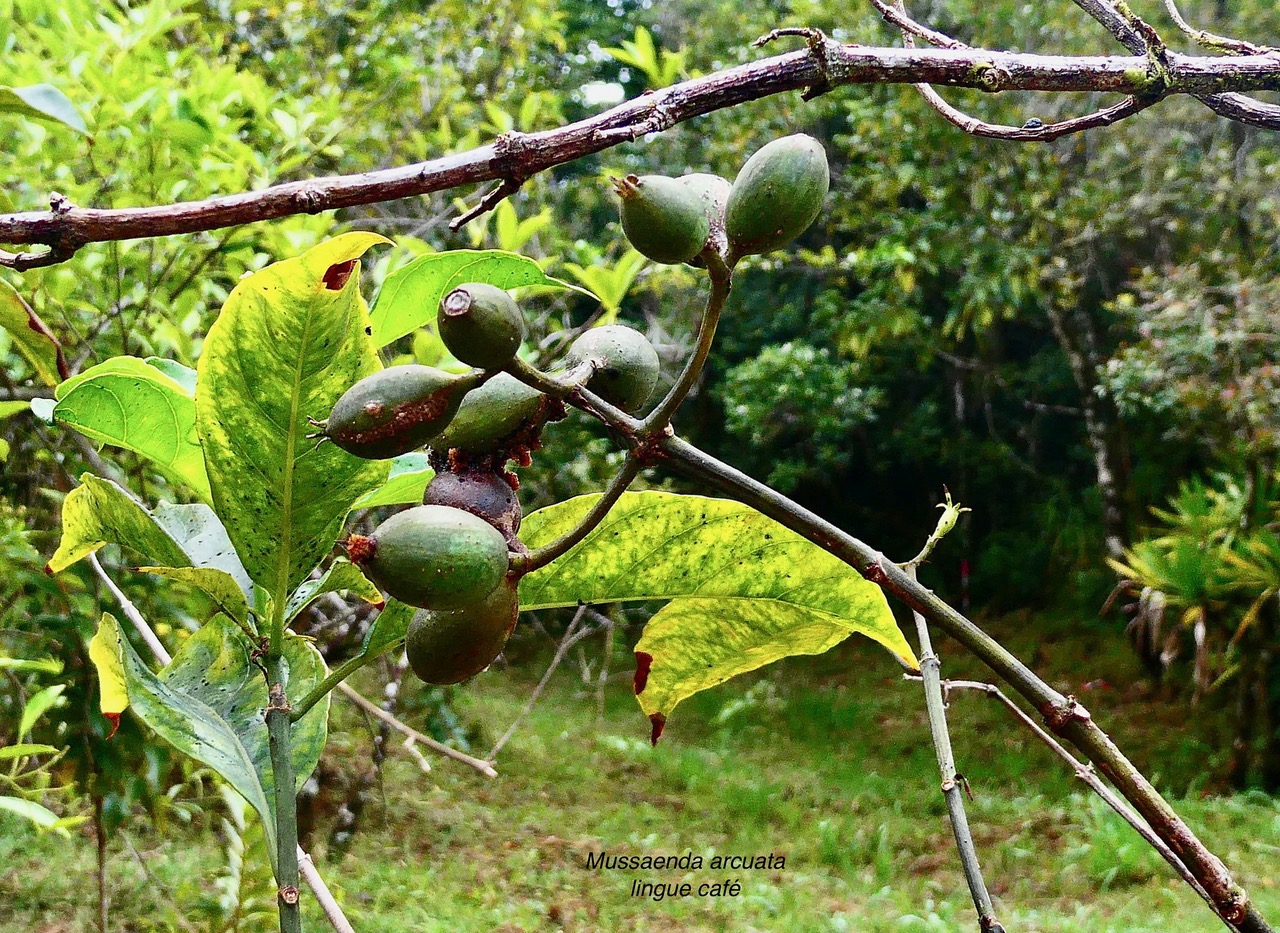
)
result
[(9, 409), (410, 296), (341, 576), (184, 376), (388, 628), (218, 585), (727, 566), (209, 703), (98, 512), (10, 752), (43, 665), (289, 342), (129, 403), (42, 102), (693, 644), (41, 816), (30, 335), (39, 704), (406, 484)]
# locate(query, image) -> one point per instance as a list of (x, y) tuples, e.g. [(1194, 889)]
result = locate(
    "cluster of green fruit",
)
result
[(777, 195), (451, 556)]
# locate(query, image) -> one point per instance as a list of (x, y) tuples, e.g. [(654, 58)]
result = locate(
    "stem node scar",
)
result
[(1058, 715), (289, 894)]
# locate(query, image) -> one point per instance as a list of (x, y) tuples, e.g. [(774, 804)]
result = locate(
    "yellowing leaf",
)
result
[(289, 342), (107, 657), (746, 590)]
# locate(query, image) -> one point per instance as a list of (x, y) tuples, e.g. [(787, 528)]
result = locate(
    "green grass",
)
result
[(826, 761)]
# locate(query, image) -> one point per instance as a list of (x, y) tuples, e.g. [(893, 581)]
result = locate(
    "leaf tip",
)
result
[(114, 719), (644, 661), (658, 722)]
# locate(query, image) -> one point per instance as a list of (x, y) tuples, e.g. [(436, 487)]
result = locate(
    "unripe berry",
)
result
[(663, 218), (777, 195), (481, 325)]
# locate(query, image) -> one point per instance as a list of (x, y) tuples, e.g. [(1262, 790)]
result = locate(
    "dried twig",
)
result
[(376, 711)]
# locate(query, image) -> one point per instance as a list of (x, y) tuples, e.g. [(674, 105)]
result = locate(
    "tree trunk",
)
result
[(1076, 332)]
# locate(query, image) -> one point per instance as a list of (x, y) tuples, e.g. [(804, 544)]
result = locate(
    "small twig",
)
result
[(952, 782), (1034, 130), (897, 16), (561, 650), (411, 747), (544, 555), (1089, 776), (1212, 40), (337, 919), (721, 276), (376, 711), (132, 614)]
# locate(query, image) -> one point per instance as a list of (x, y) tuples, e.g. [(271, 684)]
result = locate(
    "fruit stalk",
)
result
[(721, 277)]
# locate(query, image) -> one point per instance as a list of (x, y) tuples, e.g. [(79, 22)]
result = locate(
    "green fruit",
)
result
[(433, 557), (481, 325), (484, 493), (493, 416), (714, 192), (448, 647), (627, 366), (396, 410), (663, 218), (777, 195)]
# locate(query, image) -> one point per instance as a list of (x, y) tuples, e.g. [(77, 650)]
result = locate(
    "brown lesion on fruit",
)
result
[(407, 415)]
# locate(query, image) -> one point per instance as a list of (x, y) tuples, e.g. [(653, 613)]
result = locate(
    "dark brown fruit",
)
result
[(448, 647), (481, 325), (485, 493), (396, 410), (433, 557)]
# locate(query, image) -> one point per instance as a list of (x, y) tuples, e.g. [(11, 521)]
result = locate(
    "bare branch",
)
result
[(1086, 774), (1212, 40), (65, 227), (895, 15), (376, 711)]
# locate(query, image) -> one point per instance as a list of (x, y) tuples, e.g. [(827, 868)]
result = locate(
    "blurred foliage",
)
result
[(947, 321)]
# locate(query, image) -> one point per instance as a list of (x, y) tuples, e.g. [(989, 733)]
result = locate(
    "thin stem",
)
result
[(374, 710), (550, 385), (335, 677), (1086, 774), (1209, 39), (281, 749), (721, 282), (1064, 715), (930, 675), (544, 555), (561, 649), (132, 614), (333, 913), (285, 798)]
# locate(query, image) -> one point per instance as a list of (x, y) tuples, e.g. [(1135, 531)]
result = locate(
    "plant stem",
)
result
[(544, 555), (285, 799), (335, 677), (721, 282), (1063, 715), (1089, 777), (931, 676)]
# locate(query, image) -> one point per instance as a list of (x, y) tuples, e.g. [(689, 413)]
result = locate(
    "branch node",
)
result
[(661, 117), (277, 701), (818, 46), (309, 200), (1058, 716), (508, 150), (289, 894), (59, 203)]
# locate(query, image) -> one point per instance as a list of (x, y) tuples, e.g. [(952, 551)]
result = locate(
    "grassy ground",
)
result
[(825, 762)]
